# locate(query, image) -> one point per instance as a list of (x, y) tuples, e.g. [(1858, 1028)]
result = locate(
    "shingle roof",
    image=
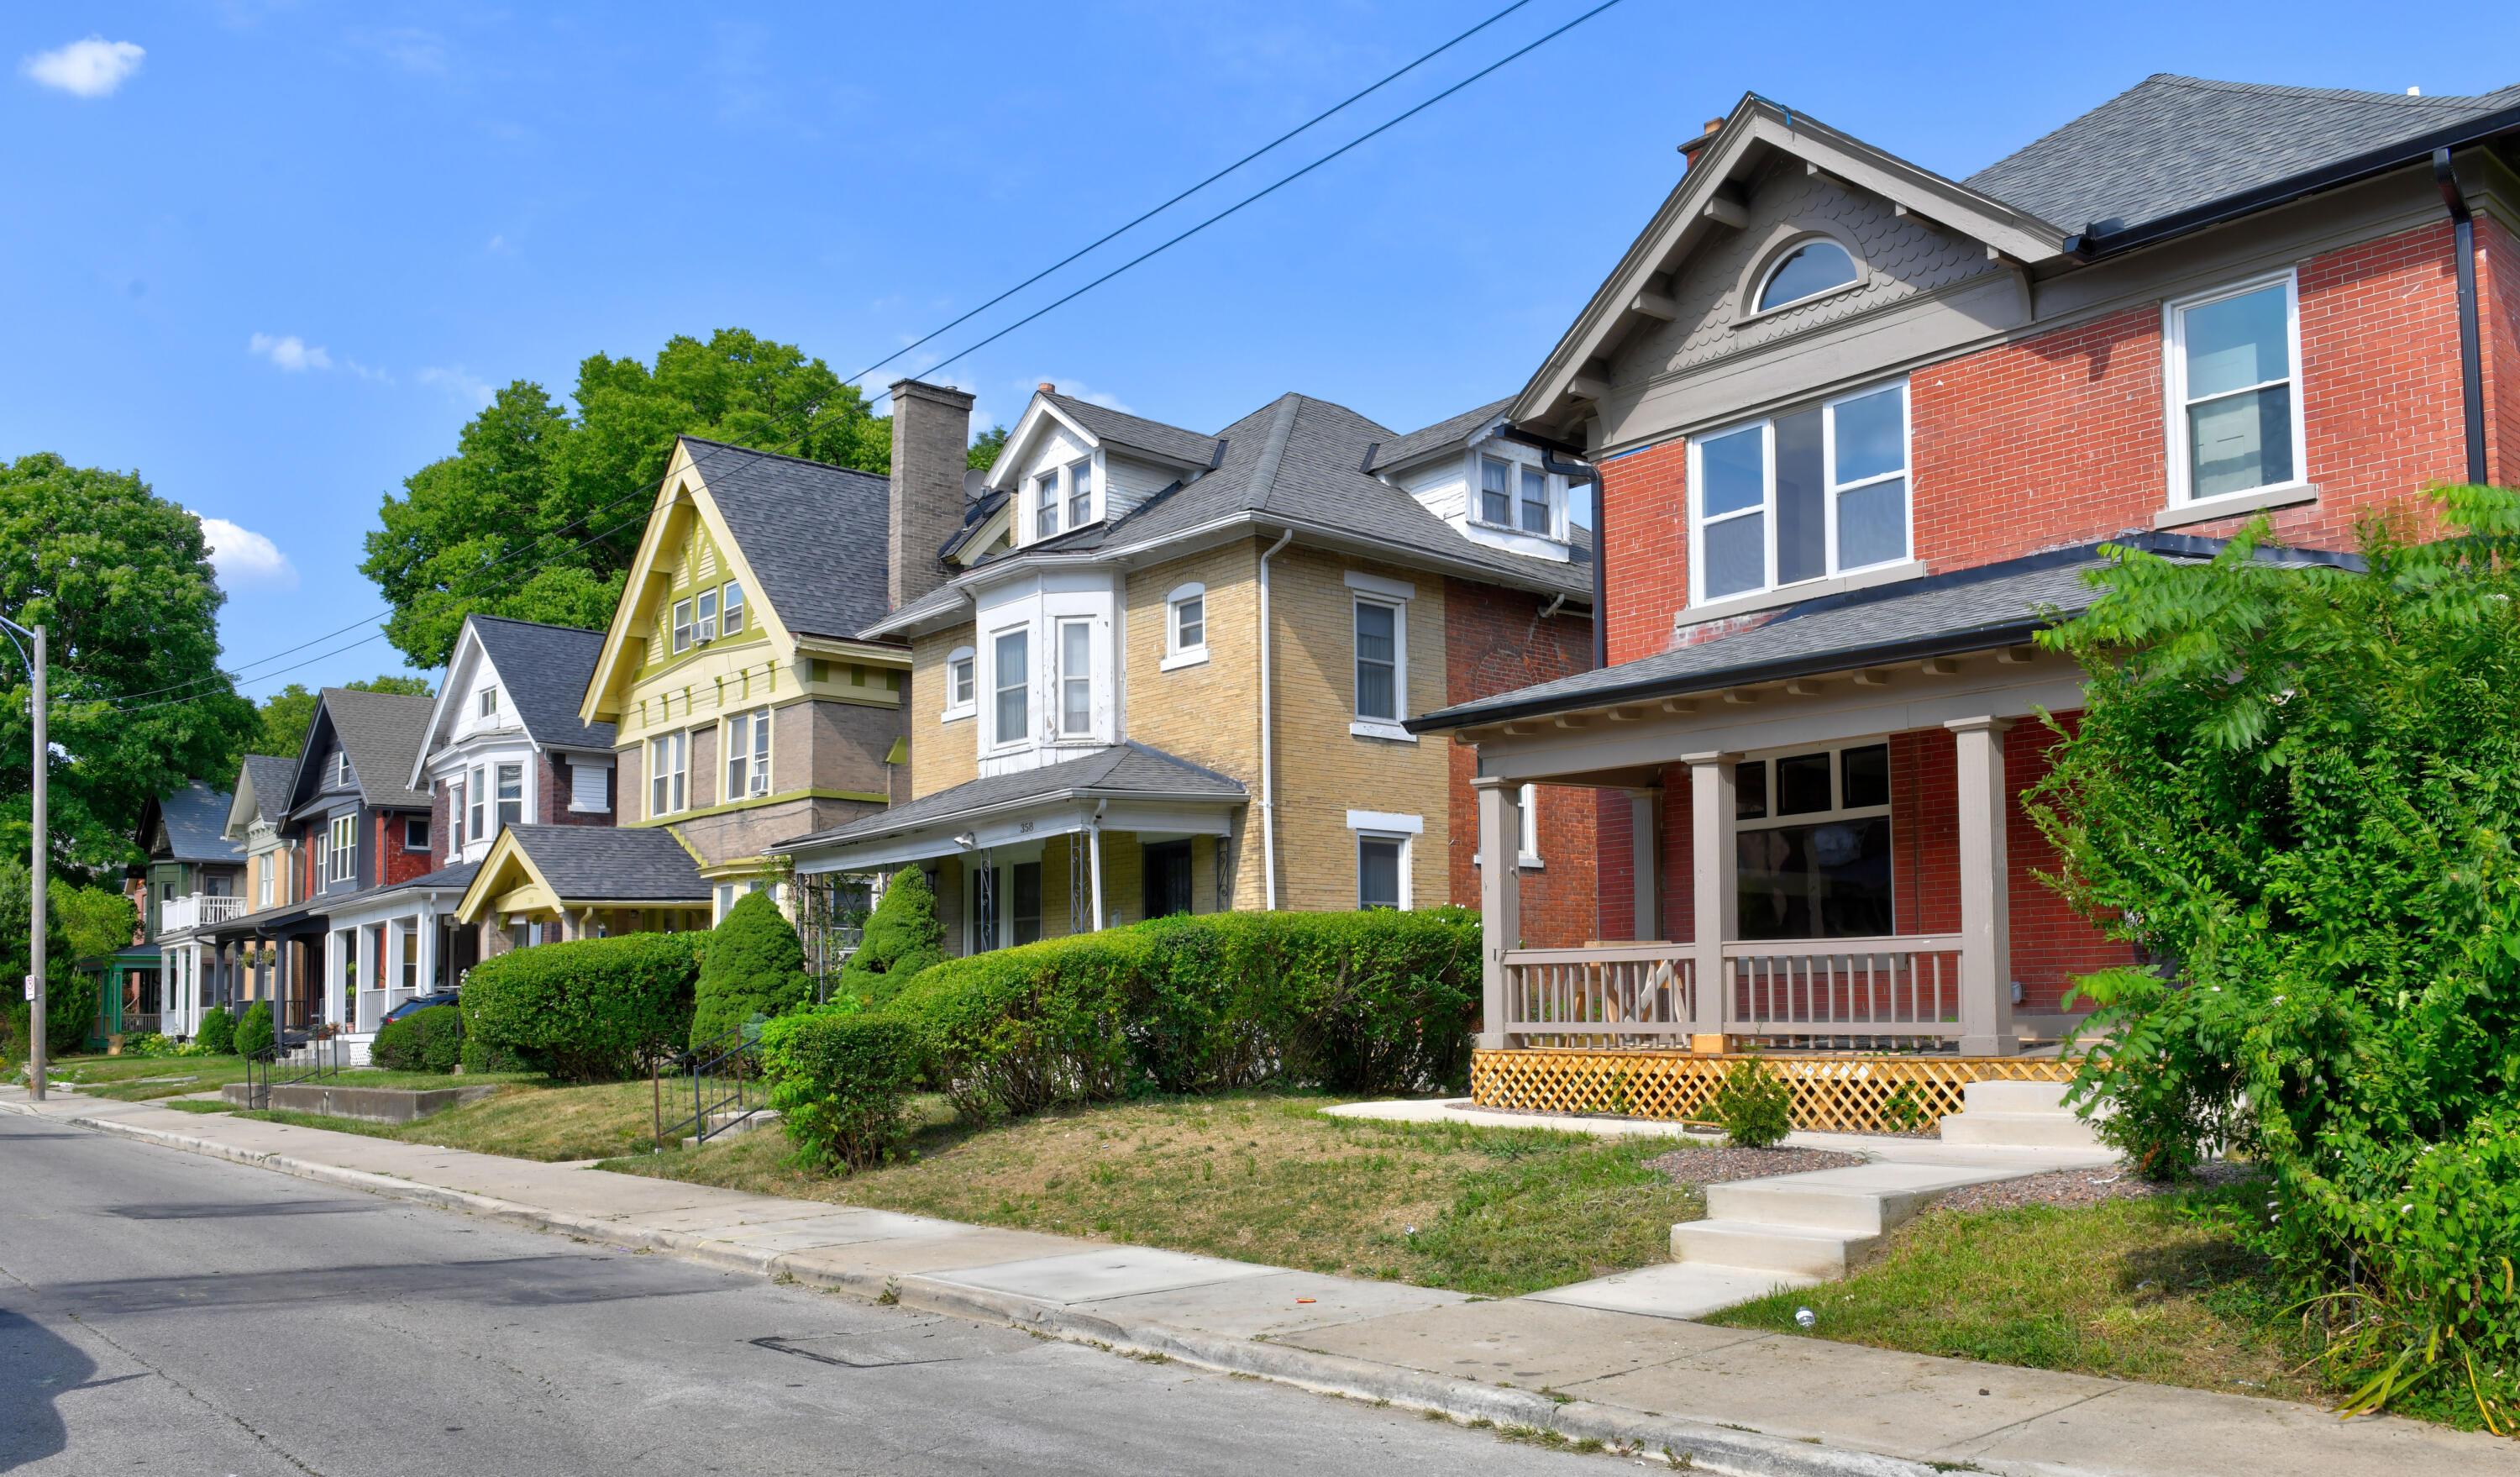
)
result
[(2172, 142), (384, 732), (1435, 437), (544, 670), (456, 877), (269, 775), (641, 864), (194, 818), (1171, 442), (816, 536), (1125, 769)]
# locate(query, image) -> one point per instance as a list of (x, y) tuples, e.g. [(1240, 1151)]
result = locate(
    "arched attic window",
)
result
[(1809, 270)]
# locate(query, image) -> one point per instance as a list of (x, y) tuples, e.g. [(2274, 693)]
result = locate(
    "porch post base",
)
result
[(1989, 1046), (1710, 1046)]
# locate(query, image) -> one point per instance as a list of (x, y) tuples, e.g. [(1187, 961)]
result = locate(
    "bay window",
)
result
[(1075, 679), (344, 850), (478, 822), (1012, 681), (1812, 844), (2233, 377), (512, 794), (1803, 496)]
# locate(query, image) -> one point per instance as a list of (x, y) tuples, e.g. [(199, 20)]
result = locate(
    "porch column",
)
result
[(1094, 865), (1500, 898), (1986, 925), (1644, 860), (1715, 892)]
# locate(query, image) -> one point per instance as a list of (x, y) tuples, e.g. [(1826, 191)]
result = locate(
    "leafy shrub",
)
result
[(255, 1034), (586, 1010), (95, 920), (1755, 1105), (218, 1035), (1366, 1003), (479, 1056), (2295, 789), (424, 1041), (838, 1080), (755, 967), (69, 994), (903, 939), (147, 1044)]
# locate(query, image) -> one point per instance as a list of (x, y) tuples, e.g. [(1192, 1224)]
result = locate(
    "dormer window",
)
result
[(1046, 501), (1807, 271), (1535, 502), (1496, 492), (1080, 494)]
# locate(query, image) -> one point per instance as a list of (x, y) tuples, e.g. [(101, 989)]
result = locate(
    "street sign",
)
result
[(31, 980)]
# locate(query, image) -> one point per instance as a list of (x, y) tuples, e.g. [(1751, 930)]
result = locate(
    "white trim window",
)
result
[(1534, 509), (1814, 267), (342, 774), (1382, 870), (666, 778), (1185, 626), (1807, 495), (682, 626), (962, 684), (1080, 493), (479, 791), (748, 755), (488, 702), (1814, 848), (264, 870), (342, 861), (1046, 505), (2233, 377), (1076, 679), (1381, 659), (1496, 492), (705, 617), (730, 621), (1527, 839), (511, 795), (1011, 679)]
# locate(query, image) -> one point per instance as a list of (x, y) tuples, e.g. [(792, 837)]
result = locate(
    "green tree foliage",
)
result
[(70, 997), (2297, 788), (288, 713), (985, 448), (121, 580), (96, 919), (902, 938), (218, 1035), (756, 967), (527, 475), (255, 1034)]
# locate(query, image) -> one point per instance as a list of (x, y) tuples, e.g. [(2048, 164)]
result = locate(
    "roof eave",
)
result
[(1067, 795)]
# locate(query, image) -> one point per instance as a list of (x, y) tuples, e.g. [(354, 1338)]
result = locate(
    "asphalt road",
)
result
[(162, 1312)]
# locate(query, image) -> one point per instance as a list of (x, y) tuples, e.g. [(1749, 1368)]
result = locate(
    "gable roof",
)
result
[(582, 865), (816, 536), (1128, 769), (2171, 144), (382, 733), (1120, 428), (1428, 440), (196, 818), (268, 776), (543, 671)]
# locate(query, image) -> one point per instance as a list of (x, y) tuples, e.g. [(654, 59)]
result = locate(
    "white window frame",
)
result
[(2175, 401), (1395, 594), (745, 741), (676, 781), (1369, 826), (731, 609), (342, 767), (1080, 489), (476, 796), (682, 626), (262, 880), (1479, 490), (1064, 680), (1831, 490), (487, 702), (962, 664), (1047, 504), (342, 861), (705, 617), (1177, 652), (1759, 308), (999, 686), (498, 795), (1526, 843)]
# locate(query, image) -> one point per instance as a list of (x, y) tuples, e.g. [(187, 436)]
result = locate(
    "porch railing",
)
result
[(1853, 987), (198, 909), (1609, 994)]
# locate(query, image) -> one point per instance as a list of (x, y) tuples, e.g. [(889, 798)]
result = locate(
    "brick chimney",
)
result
[(931, 436), (1689, 152)]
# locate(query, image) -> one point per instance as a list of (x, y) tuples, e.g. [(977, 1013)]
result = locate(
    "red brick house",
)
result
[(1858, 426)]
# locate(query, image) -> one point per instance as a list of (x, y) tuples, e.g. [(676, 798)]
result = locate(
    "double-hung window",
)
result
[(1080, 494), (962, 684), (732, 620), (480, 792), (1378, 659), (704, 624), (344, 850), (1496, 492), (2236, 419), (1185, 626), (342, 768), (682, 626), (1527, 836), (1075, 679), (747, 755), (1535, 501), (415, 834), (1381, 871), (665, 774), (1807, 495), (1011, 681), (1813, 843), (512, 794), (1046, 505)]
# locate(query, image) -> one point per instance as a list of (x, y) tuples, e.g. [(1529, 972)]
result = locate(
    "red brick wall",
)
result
[(1644, 546), (1614, 877), (397, 863), (551, 795), (2497, 289), (1494, 640), (2052, 943), (441, 828)]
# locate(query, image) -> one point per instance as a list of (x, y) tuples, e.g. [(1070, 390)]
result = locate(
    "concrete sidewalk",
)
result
[(1728, 1400)]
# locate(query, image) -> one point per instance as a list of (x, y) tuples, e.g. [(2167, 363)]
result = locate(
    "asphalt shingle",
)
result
[(544, 670), (607, 863), (384, 732), (269, 776), (1123, 770), (816, 536), (1435, 437), (194, 818)]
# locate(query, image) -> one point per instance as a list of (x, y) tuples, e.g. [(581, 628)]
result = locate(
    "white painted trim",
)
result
[(1701, 609), (1375, 727), (1790, 595), (1376, 585), (1176, 655), (1389, 822), (1194, 656), (2174, 382), (956, 712), (2206, 510)]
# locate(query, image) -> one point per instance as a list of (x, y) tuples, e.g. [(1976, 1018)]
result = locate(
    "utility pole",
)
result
[(38, 918)]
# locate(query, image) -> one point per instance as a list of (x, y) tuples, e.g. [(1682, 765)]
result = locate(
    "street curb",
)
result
[(1700, 1446)]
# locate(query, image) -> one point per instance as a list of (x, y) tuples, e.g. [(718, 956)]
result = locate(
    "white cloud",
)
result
[(89, 68), (289, 352), (460, 384), (245, 559)]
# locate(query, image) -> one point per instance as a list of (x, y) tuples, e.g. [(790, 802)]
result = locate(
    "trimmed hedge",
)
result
[(587, 1009), (218, 1035), (838, 1080), (756, 967), (255, 1034), (903, 940), (424, 1041)]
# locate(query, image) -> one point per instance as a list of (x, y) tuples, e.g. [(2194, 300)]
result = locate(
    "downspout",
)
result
[(2471, 359), (1268, 774)]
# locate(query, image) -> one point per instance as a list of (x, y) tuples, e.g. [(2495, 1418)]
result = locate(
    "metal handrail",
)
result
[(724, 1080)]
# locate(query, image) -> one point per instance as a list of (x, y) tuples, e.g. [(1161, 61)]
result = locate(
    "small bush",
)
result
[(1755, 1105), (588, 1010), (755, 967), (838, 1080), (147, 1044), (218, 1035), (255, 1034), (424, 1041), (903, 939), (479, 1056)]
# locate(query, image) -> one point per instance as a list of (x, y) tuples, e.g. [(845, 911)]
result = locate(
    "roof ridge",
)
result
[(780, 455), (1281, 427), (540, 625), (1113, 410), (2297, 90)]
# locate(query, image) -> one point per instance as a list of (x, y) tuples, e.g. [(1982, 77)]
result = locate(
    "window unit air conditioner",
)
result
[(759, 784)]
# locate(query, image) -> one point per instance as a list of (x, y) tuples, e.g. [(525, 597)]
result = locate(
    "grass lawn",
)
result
[(2129, 1289), (534, 1119), (1266, 1178), (142, 1079)]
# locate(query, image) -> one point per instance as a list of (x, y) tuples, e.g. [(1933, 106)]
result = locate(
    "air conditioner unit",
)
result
[(759, 784)]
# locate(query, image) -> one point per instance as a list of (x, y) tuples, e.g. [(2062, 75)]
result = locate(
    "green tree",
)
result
[(218, 1035), (902, 937), (255, 1033), (754, 965), (288, 713), (97, 920), (70, 997), (539, 512), (987, 446), (122, 580)]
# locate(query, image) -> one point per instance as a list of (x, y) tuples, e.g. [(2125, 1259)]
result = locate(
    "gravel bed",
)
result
[(1718, 1164), (2071, 1187)]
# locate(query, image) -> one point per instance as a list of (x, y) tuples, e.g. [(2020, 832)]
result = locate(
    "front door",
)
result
[(1167, 879)]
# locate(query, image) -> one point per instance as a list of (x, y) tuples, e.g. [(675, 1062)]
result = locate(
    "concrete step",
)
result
[(1755, 1246), (2018, 1130), (1787, 1203), (2015, 1097)]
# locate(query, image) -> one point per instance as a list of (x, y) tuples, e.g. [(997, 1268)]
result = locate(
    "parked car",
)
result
[(420, 1002)]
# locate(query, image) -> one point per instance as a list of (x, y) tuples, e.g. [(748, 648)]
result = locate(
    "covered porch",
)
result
[(542, 884), (384, 949)]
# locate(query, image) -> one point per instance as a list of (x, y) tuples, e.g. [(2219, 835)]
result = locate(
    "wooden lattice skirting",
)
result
[(1842, 1093)]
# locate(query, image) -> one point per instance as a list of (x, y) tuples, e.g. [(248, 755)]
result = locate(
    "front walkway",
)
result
[(1732, 1400)]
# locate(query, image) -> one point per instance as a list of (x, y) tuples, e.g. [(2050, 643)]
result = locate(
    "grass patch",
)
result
[(530, 1120), (2148, 1290), (1266, 1177), (201, 1106), (145, 1079)]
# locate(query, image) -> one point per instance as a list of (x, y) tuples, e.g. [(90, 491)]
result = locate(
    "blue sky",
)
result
[(273, 254)]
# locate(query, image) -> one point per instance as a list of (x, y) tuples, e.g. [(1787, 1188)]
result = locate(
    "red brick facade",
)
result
[(1496, 641), (397, 863), (2497, 283)]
